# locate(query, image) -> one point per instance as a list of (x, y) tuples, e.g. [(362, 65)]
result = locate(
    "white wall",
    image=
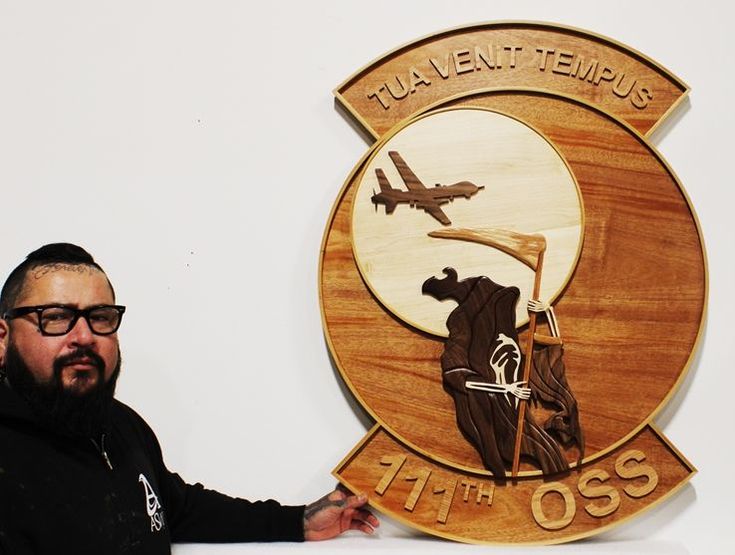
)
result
[(194, 149)]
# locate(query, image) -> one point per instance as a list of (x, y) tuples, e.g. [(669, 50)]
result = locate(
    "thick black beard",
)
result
[(63, 411)]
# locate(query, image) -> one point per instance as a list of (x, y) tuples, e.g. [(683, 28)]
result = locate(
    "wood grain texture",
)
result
[(511, 54), (592, 486), (630, 316), (528, 190), (527, 248), (541, 515), (482, 349), (506, 512), (527, 365)]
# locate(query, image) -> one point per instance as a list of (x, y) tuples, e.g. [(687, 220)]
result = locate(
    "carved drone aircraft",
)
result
[(418, 195)]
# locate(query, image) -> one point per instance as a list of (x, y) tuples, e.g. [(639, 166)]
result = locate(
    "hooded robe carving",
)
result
[(483, 346)]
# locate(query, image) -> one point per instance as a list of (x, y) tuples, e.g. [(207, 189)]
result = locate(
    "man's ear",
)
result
[(4, 335)]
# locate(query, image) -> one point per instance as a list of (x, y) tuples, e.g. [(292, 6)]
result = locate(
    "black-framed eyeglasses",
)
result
[(57, 319)]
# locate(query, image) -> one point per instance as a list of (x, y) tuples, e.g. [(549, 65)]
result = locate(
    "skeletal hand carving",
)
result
[(516, 389), (535, 305)]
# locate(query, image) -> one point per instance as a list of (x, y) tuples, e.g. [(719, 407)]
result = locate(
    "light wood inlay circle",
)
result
[(528, 188)]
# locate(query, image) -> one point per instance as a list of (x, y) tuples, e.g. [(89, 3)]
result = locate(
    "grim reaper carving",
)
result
[(481, 367)]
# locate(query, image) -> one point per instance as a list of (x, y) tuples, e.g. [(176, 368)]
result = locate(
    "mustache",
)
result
[(78, 355)]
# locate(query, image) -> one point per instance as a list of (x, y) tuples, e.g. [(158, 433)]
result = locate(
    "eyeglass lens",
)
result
[(59, 320)]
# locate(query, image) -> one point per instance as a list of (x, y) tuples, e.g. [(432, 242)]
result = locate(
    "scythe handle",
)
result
[(527, 367)]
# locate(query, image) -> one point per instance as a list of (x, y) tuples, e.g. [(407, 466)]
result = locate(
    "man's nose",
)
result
[(81, 333)]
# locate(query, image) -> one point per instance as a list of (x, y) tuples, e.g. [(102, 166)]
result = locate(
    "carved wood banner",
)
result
[(513, 283)]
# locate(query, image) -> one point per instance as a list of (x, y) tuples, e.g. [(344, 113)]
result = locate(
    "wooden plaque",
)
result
[(513, 283)]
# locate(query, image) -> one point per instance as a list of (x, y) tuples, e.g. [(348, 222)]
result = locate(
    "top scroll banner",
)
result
[(511, 55)]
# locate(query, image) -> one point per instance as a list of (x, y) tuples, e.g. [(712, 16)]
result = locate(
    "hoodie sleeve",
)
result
[(196, 514)]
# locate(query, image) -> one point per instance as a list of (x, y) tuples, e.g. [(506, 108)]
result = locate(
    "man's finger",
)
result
[(356, 501), (366, 518), (369, 517), (341, 487), (362, 526), (346, 519), (338, 496)]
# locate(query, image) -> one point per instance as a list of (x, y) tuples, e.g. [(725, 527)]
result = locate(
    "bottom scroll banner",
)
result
[(479, 508)]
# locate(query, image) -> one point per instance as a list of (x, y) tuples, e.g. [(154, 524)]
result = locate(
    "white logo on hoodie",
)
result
[(152, 505)]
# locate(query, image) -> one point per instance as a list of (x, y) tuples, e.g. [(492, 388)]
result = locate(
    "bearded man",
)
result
[(82, 473)]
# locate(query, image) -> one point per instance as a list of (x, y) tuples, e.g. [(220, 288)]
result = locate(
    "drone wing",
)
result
[(437, 212), (383, 181), (412, 182)]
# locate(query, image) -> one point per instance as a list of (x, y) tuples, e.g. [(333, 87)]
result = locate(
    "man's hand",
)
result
[(335, 513)]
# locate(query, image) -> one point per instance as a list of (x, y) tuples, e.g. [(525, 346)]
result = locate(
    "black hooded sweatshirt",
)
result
[(113, 495)]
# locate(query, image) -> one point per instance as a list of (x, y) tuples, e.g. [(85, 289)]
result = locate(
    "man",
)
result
[(81, 472)]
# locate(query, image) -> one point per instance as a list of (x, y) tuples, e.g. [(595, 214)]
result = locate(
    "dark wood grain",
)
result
[(630, 317)]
